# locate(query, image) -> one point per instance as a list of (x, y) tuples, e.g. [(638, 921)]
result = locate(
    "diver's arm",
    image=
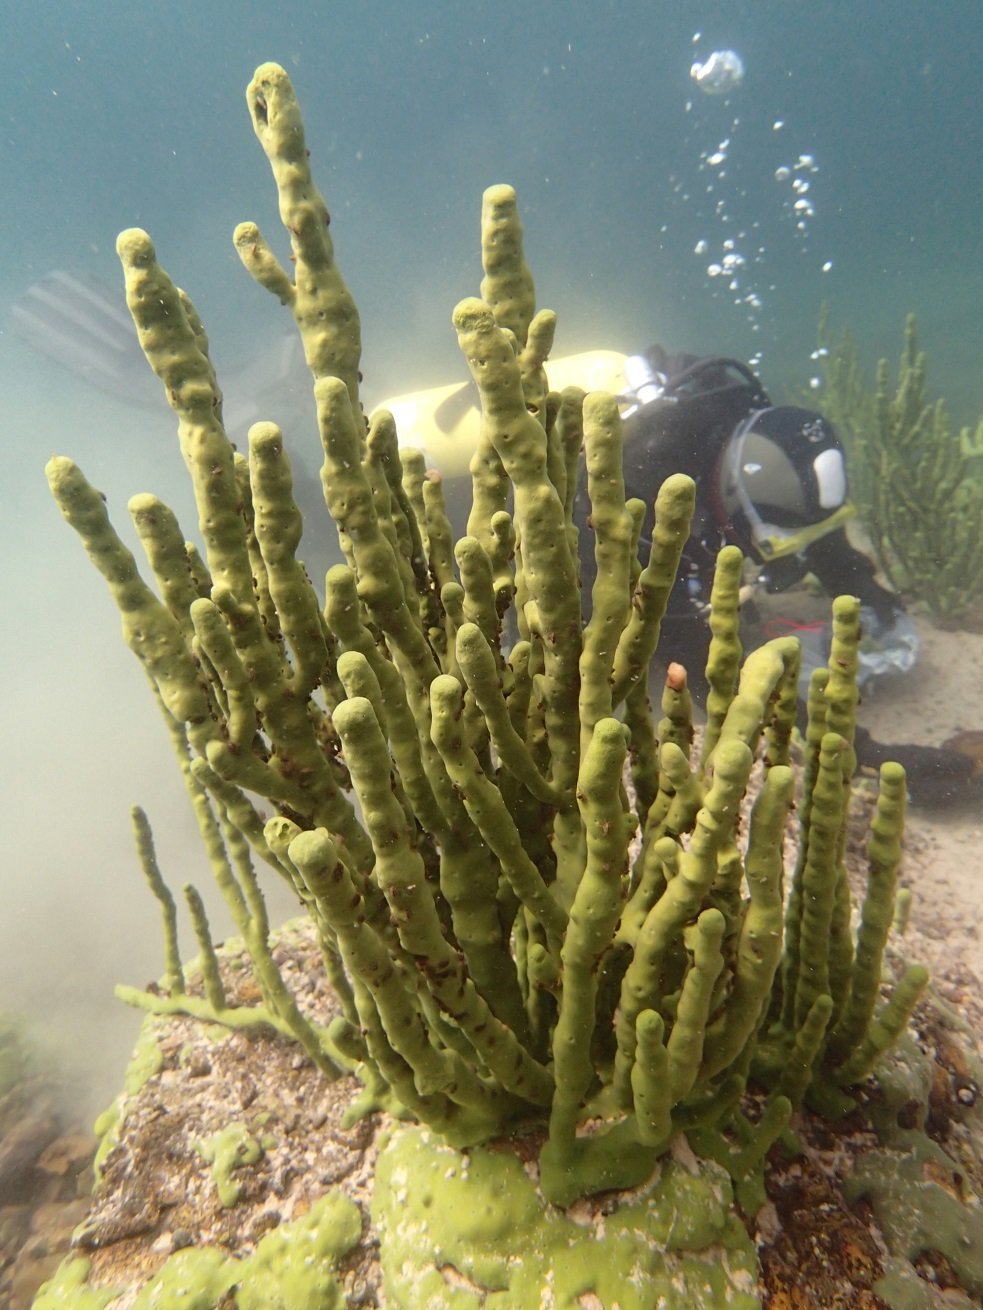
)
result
[(845, 571), (936, 776)]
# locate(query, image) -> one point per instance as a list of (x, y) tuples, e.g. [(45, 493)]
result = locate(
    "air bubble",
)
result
[(718, 192), (720, 74)]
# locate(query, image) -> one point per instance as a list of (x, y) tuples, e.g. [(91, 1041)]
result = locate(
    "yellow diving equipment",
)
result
[(443, 421)]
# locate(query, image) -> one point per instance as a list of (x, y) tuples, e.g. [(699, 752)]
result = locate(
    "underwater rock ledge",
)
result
[(277, 1145)]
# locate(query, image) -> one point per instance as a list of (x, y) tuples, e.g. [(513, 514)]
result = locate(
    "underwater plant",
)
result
[(914, 479), (546, 915)]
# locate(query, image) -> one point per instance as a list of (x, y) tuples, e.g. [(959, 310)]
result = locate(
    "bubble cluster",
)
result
[(730, 253), (732, 196), (820, 353), (797, 180)]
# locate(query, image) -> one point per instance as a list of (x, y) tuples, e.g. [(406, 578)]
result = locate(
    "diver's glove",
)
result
[(936, 775)]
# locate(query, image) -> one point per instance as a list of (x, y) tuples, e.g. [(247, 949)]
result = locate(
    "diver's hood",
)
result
[(782, 481)]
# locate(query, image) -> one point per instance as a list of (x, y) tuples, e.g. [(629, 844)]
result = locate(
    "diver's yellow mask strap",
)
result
[(775, 543)]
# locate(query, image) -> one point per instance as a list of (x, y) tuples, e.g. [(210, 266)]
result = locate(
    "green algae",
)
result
[(194, 1279), (460, 1231), (66, 1289), (145, 1063), (903, 1181), (903, 1289), (15, 1052), (914, 1212), (292, 1268), (904, 1078), (234, 1147)]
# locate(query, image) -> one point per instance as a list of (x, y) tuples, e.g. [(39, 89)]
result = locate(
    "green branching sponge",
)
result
[(542, 911), (914, 478)]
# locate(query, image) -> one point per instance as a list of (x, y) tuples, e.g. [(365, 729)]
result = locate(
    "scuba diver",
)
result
[(770, 479)]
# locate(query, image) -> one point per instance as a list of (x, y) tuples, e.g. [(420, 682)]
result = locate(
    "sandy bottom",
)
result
[(943, 865), (939, 699)]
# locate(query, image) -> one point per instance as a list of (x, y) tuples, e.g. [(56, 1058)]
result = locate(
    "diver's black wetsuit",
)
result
[(685, 430)]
